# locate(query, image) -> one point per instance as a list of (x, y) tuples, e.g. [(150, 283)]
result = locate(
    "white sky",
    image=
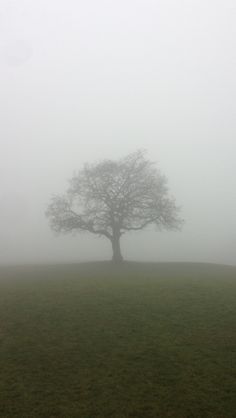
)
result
[(83, 81)]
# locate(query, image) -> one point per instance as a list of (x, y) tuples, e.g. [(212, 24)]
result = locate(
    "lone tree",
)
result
[(110, 198)]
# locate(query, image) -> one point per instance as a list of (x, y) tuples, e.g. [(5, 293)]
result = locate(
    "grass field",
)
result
[(137, 340)]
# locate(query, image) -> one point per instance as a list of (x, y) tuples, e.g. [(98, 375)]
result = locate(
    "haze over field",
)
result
[(84, 81)]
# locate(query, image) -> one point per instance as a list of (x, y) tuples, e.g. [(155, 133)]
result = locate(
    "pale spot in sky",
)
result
[(17, 53)]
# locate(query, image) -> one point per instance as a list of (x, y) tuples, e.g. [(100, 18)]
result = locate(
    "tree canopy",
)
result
[(110, 198)]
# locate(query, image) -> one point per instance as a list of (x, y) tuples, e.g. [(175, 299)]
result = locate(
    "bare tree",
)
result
[(110, 198)]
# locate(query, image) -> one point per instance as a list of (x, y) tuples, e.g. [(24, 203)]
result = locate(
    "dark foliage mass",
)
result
[(110, 198)]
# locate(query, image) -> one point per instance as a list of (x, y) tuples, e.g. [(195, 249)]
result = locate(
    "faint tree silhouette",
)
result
[(110, 198)]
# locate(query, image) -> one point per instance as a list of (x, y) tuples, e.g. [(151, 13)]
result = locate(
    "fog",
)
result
[(83, 81)]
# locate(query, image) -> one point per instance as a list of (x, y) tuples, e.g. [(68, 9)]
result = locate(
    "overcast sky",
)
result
[(87, 80)]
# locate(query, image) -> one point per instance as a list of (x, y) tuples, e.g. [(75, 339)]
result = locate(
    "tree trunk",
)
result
[(117, 257)]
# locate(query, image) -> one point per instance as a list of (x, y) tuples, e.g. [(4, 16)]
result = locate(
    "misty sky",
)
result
[(87, 80)]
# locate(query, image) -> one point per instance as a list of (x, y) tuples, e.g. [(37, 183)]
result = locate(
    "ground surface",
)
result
[(140, 340)]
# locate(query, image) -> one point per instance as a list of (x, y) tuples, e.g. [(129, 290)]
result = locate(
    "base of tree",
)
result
[(116, 260)]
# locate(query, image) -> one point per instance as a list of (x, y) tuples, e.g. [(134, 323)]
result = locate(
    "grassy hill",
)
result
[(137, 340)]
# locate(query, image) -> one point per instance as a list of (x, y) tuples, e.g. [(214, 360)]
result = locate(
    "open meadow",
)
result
[(134, 340)]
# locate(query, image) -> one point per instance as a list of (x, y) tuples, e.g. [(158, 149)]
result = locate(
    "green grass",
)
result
[(138, 340)]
